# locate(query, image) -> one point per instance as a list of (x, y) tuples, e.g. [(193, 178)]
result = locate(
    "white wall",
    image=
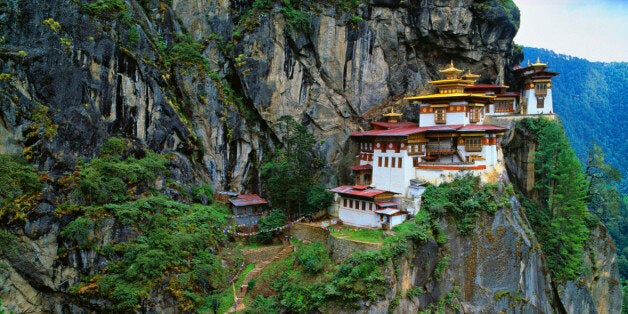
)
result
[(397, 220), (427, 119), (357, 217), (530, 97)]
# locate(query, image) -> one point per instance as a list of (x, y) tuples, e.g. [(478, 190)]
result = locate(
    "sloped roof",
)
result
[(367, 192), (247, 200)]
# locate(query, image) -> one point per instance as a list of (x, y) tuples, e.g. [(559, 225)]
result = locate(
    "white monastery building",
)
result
[(449, 139)]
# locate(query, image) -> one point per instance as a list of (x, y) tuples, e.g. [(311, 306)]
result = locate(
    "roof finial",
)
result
[(452, 63), (528, 62), (538, 59)]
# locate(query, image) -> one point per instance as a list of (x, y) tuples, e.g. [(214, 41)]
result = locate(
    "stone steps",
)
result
[(241, 294)]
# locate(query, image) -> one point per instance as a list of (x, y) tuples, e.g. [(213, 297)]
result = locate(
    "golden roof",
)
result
[(538, 62), (451, 69), (452, 95), (470, 76), (392, 113)]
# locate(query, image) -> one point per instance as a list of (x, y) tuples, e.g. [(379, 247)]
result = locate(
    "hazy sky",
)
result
[(596, 30)]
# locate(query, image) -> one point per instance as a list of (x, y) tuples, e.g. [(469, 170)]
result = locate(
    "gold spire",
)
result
[(538, 62), (470, 76), (392, 115), (451, 69)]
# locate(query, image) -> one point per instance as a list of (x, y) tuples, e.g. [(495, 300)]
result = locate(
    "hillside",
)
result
[(588, 96)]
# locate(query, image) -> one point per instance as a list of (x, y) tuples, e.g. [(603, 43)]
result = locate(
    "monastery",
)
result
[(451, 138)]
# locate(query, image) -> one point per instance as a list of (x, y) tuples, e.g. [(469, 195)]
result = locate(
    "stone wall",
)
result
[(263, 254), (339, 249)]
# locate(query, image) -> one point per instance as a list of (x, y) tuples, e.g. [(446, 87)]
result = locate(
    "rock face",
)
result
[(597, 290), (73, 76), (97, 81)]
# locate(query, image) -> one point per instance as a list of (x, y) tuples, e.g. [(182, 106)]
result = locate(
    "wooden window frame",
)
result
[(379, 161), (473, 144), (440, 115), (399, 162), (344, 202), (392, 162), (385, 162), (476, 115)]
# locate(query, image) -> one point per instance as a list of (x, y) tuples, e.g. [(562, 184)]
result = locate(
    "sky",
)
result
[(596, 30)]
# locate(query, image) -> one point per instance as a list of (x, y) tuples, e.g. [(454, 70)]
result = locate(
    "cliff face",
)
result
[(74, 75), (101, 75), (601, 274)]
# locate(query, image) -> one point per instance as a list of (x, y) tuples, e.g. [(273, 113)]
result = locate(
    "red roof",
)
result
[(361, 167), (392, 125), (247, 200), (437, 128), (481, 127), (508, 94), (350, 190)]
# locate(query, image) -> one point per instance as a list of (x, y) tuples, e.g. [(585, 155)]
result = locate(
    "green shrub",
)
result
[(267, 224), (464, 199), (19, 187), (78, 230), (312, 258), (187, 51), (262, 305)]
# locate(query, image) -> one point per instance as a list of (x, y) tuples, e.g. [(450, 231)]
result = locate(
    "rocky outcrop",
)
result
[(597, 290)]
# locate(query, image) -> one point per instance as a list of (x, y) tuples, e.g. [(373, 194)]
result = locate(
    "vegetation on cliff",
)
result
[(160, 244), (559, 214), (307, 280), (291, 175)]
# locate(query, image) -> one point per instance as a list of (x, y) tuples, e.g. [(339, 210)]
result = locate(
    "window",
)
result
[(379, 161), (385, 161), (502, 106), (475, 114), (440, 115), (473, 144), (415, 149), (397, 147), (363, 205), (344, 202), (350, 203), (399, 162), (392, 162), (370, 206)]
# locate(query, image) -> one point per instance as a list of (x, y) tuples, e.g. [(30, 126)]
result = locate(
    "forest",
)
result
[(587, 97)]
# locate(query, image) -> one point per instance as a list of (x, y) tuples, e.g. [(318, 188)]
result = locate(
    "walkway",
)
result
[(259, 266)]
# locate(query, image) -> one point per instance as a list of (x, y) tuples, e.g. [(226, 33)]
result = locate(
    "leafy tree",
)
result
[(290, 176), (608, 203), (318, 197), (267, 224), (558, 214)]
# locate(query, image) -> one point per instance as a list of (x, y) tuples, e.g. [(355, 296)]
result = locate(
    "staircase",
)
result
[(254, 273)]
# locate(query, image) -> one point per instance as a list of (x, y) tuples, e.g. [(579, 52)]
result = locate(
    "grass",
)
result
[(358, 234), (226, 297)]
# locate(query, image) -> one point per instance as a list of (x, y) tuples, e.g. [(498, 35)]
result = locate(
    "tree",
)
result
[(603, 195), (289, 176), (268, 224), (559, 214), (318, 198), (607, 202)]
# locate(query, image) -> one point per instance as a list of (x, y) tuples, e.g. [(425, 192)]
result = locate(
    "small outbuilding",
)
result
[(247, 208), (365, 206)]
